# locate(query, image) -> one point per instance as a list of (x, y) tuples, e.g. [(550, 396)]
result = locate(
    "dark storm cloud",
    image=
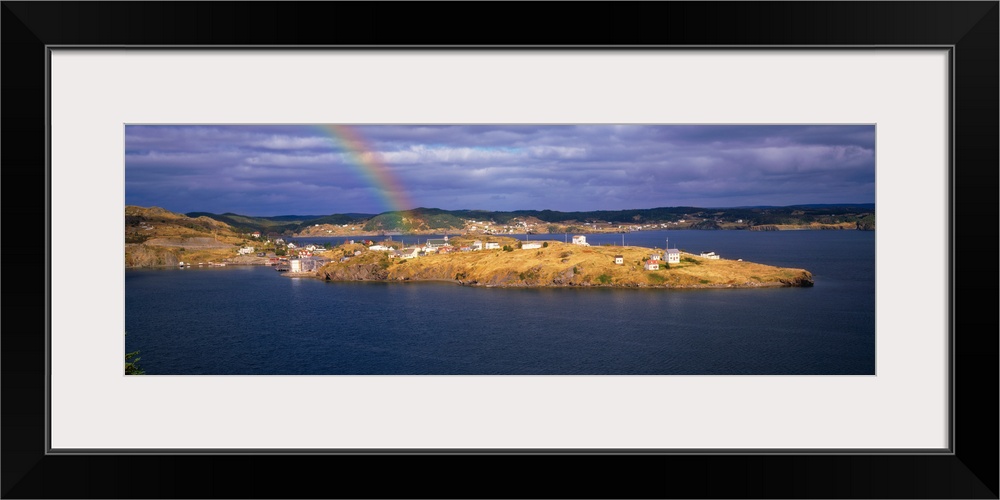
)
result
[(306, 169)]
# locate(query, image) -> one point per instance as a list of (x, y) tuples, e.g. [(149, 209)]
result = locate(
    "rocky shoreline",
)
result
[(499, 282), (802, 283)]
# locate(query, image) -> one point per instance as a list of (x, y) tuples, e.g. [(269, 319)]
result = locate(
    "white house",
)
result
[(652, 265), (580, 240), (436, 242), (673, 256), (710, 255), (308, 264), (477, 245), (619, 259), (246, 250), (492, 245), (530, 246), (654, 256), (291, 245), (256, 234), (296, 265), (380, 248)]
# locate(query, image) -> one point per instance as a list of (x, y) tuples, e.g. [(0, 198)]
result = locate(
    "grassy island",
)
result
[(558, 264)]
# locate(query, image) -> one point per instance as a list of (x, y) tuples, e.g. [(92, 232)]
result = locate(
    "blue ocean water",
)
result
[(253, 320)]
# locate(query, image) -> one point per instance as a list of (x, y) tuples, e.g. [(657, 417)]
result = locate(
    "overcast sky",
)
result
[(320, 170)]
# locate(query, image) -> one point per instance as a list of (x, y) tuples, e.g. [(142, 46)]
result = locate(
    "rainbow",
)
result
[(370, 166)]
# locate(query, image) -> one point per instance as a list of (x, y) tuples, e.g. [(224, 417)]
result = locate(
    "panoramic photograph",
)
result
[(584, 249)]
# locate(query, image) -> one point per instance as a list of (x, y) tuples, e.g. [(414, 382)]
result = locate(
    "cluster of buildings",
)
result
[(304, 251), (437, 246), (303, 259), (670, 256), (440, 246), (604, 227), (516, 227), (513, 227), (297, 264)]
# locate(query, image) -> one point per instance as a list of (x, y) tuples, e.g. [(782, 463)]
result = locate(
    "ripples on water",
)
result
[(252, 320)]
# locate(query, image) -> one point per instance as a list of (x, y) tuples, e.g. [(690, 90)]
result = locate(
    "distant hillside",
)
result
[(419, 219), (249, 224), (815, 216), (155, 237), (142, 224), (280, 224)]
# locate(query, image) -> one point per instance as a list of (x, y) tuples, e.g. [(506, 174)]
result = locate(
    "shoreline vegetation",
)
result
[(157, 238)]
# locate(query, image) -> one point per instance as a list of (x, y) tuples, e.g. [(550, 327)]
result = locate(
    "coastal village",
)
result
[(523, 225), (303, 258), (502, 259), (307, 259)]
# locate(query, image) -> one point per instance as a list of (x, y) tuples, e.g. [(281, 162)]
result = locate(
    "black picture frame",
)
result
[(969, 28)]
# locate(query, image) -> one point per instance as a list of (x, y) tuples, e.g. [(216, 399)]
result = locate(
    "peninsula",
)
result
[(155, 237), (512, 263)]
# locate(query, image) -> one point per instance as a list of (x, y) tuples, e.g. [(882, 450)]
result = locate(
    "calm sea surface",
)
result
[(253, 320)]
